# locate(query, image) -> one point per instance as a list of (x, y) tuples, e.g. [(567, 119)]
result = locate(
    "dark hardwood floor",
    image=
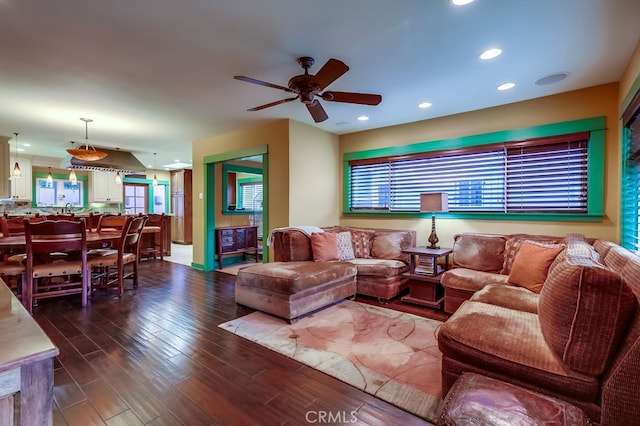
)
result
[(156, 356)]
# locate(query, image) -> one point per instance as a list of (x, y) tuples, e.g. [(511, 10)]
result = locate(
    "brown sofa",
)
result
[(577, 340), (379, 259)]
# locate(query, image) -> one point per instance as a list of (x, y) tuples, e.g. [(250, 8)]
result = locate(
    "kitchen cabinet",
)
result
[(103, 188), (181, 205), (21, 187)]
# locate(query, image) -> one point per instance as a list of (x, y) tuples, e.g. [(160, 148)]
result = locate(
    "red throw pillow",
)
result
[(324, 246), (531, 264)]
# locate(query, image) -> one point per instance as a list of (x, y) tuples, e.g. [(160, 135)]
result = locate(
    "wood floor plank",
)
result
[(156, 356)]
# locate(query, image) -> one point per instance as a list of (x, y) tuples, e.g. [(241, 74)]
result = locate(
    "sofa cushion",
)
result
[(380, 267), (531, 265), (324, 246), (293, 277), (470, 280), (481, 252), (508, 296), (510, 343), (584, 310), (389, 245)]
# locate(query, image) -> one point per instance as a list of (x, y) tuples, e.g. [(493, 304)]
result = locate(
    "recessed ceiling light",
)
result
[(460, 2), (490, 53), (552, 78), (342, 123), (363, 118), (20, 150), (424, 105), (26, 144), (506, 86)]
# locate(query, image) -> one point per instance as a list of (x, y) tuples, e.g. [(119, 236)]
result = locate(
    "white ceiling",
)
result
[(156, 75)]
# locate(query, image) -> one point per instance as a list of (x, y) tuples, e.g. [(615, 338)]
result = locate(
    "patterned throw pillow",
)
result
[(345, 247), (362, 242)]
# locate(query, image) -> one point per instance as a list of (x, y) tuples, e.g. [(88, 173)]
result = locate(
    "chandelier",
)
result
[(88, 153)]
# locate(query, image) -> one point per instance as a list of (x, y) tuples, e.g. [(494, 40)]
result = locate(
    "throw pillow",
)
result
[(324, 246), (531, 264), (362, 242), (345, 247)]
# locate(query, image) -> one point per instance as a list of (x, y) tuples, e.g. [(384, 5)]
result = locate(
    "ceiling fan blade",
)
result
[(317, 112), (352, 98), (329, 73), (263, 83), (281, 101)]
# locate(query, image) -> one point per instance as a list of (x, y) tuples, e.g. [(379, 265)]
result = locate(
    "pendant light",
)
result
[(72, 174), (88, 153), (118, 176), (16, 167), (155, 177), (49, 178)]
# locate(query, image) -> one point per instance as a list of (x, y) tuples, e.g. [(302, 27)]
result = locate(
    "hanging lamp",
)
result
[(72, 174), (88, 153), (49, 178), (16, 167), (118, 175), (155, 177)]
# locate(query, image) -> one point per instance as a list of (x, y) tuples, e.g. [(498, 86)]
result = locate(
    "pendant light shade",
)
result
[(88, 153), (49, 178), (16, 172), (155, 177), (118, 177), (72, 177)]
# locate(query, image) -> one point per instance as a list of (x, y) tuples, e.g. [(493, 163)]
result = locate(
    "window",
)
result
[(250, 196), (135, 198), (59, 193), (630, 193), (537, 178)]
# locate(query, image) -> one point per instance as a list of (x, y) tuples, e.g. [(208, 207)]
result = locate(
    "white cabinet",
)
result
[(103, 188), (22, 187)]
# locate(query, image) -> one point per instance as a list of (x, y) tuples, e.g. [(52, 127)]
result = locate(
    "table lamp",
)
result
[(432, 202)]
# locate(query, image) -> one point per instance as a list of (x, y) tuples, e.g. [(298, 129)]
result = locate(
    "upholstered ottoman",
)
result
[(479, 400), (292, 289)]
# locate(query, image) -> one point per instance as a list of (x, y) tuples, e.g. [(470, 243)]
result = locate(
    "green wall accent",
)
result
[(595, 176), (209, 200)]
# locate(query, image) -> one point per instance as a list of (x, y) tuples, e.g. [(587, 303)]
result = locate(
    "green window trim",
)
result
[(595, 178), (149, 183), (226, 168), (61, 176)]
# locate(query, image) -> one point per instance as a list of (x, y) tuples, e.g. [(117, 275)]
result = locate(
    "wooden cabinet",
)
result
[(21, 187), (236, 240), (103, 188), (181, 205)]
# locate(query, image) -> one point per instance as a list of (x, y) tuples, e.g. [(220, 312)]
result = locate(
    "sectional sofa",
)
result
[(578, 339)]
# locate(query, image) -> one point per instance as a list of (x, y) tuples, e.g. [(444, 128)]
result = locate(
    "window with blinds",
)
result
[(630, 192), (538, 175)]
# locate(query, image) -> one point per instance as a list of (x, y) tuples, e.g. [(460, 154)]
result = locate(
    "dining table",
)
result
[(94, 239)]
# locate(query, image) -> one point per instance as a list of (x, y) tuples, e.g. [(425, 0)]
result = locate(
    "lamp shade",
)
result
[(434, 202)]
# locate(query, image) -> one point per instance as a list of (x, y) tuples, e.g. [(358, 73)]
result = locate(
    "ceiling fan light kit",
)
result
[(88, 153), (308, 88)]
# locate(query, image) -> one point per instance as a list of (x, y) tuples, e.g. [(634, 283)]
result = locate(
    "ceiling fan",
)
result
[(308, 86)]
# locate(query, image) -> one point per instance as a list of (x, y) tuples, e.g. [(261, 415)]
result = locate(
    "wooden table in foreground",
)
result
[(424, 276), (26, 366)]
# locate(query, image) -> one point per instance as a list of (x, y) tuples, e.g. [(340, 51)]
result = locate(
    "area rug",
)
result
[(389, 354)]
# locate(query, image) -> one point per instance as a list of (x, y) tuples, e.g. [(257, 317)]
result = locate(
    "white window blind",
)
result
[(542, 175)]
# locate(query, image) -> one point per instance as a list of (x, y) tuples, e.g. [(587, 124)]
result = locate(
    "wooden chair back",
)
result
[(69, 216), (111, 222)]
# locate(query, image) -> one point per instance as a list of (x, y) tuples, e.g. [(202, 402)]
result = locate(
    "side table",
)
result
[(424, 276)]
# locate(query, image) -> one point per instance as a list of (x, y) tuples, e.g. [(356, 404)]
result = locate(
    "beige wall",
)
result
[(276, 136), (596, 101), (314, 171), (631, 74)]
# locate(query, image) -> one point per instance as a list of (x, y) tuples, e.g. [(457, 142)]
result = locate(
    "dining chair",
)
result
[(48, 276), (110, 268), (153, 237), (111, 221), (68, 216)]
